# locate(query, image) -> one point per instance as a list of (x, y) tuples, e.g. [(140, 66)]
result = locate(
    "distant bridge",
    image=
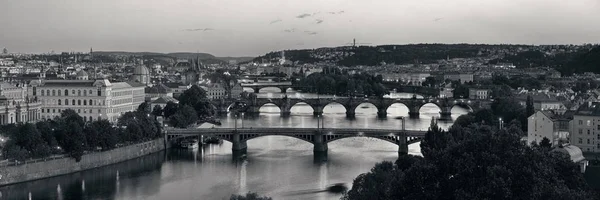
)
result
[(351, 103), (319, 137), (283, 86)]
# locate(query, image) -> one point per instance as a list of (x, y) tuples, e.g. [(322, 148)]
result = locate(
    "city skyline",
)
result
[(252, 28)]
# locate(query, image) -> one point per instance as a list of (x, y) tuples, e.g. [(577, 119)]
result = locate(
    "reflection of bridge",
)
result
[(318, 137), (283, 86), (351, 103)]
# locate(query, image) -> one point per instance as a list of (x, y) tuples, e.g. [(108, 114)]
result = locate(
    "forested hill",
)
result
[(585, 59), (398, 54)]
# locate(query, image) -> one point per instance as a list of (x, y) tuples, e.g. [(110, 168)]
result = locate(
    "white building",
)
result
[(585, 127), (456, 76), (547, 124), (16, 106), (541, 101), (91, 99), (216, 91), (476, 93), (236, 91)]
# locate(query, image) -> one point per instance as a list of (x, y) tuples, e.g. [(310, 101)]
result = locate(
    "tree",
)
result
[(249, 196), (157, 111), (192, 96), (529, 106), (184, 117), (170, 109), (75, 140), (144, 107), (545, 143), (475, 162)]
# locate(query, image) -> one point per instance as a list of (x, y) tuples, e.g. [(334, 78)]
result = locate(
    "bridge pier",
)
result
[(381, 113), (445, 115), (317, 110), (283, 89), (239, 146), (413, 114), (255, 90), (402, 145), (285, 113), (320, 146), (350, 113)]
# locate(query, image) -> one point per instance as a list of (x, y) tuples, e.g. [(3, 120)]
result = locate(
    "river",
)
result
[(277, 166)]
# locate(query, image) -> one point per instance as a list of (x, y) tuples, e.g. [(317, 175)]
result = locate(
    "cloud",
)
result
[(437, 19), (305, 15), (336, 13), (319, 21), (199, 29), (290, 30), (310, 32), (275, 21)]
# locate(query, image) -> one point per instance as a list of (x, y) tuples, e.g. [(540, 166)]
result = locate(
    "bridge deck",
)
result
[(285, 131)]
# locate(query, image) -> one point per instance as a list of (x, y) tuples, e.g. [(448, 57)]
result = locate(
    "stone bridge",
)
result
[(351, 103), (319, 137), (283, 86)]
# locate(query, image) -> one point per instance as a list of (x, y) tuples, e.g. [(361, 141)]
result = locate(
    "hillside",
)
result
[(204, 57), (374, 55)]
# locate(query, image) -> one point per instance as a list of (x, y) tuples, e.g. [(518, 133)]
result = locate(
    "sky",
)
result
[(255, 27)]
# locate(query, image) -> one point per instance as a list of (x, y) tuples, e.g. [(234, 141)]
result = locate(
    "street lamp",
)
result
[(500, 122)]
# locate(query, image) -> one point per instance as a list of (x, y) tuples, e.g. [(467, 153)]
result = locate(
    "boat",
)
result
[(364, 107), (189, 144), (337, 188)]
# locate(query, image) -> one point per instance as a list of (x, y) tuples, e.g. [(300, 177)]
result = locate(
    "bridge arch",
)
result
[(397, 108), (274, 88), (307, 138), (391, 139), (430, 104), (269, 107), (297, 104)]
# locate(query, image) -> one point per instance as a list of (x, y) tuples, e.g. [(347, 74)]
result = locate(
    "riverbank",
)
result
[(40, 170)]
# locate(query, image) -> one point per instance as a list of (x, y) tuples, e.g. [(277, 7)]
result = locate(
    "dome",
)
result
[(141, 70), (81, 73), (572, 151)]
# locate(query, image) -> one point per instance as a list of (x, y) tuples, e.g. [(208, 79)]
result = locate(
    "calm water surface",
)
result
[(277, 166)]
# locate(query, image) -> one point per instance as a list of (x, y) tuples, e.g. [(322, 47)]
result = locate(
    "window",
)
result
[(589, 123), (79, 111), (84, 103), (99, 91), (90, 102), (58, 92), (588, 131), (588, 140), (90, 93), (34, 91), (580, 140), (66, 92), (53, 110), (43, 112), (66, 102), (85, 93), (59, 102), (53, 92), (73, 92), (78, 92), (79, 102), (580, 122), (42, 92), (580, 131), (90, 110), (48, 110), (47, 92), (73, 102)]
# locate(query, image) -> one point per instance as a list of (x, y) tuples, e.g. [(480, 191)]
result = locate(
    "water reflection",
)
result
[(277, 166)]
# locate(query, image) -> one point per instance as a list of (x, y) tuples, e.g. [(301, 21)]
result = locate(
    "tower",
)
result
[(282, 59), (4, 51)]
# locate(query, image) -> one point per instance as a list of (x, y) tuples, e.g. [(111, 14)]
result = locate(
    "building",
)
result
[(141, 74), (216, 91), (457, 76), (547, 124), (16, 106), (177, 88), (585, 127), (575, 154), (91, 99), (478, 93), (156, 91), (541, 101), (162, 102), (236, 91)]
